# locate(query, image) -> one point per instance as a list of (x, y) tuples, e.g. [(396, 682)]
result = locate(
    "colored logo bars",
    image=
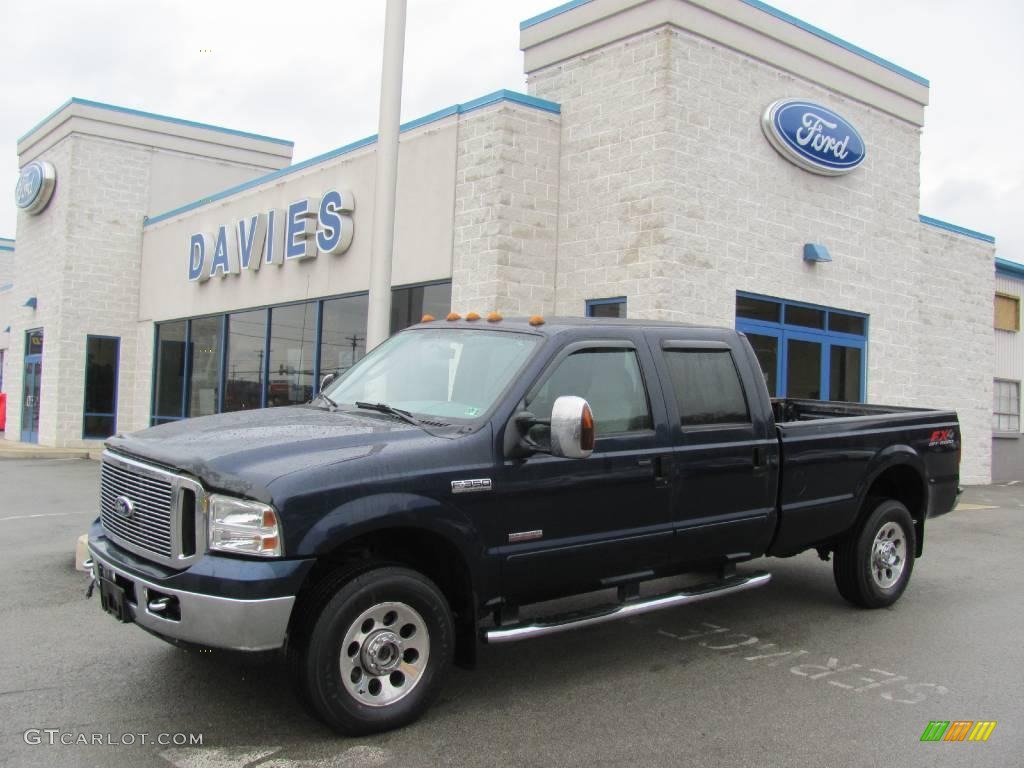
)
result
[(958, 730)]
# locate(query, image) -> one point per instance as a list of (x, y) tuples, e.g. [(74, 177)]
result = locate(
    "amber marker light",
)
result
[(494, 317), (472, 316), (537, 320), (454, 316), (427, 319), (587, 429)]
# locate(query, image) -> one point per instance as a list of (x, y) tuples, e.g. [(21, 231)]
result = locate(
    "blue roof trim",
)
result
[(553, 12), (836, 40), (455, 109), (1012, 269), (165, 118), (954, 228), (773, 12)]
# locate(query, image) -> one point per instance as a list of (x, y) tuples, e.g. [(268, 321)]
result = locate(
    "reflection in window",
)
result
[(845, 374), (343, 334), (409, 305), (170, 372), (205, 380), (292, 347), (101, 358), (246, 338), (608, 379), (707, 387)]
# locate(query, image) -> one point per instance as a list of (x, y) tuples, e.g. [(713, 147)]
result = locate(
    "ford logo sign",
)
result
[(35, 186), (124, 507), (813, 137)]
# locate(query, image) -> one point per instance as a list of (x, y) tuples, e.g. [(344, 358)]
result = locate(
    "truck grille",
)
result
[(149, 511)]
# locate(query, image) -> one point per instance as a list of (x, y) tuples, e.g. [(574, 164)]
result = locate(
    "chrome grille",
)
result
[(149, 526), (153, 528)]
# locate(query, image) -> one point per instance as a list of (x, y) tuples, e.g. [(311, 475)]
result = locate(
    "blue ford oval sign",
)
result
[(35, 186), (813, 137)]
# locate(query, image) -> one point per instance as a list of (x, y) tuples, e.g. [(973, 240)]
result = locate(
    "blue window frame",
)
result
[(806, 350), (613, 307)]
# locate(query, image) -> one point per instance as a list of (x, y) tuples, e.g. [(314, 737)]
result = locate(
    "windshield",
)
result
[(449, 374)]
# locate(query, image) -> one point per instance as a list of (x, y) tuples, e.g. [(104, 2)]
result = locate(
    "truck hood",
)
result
[(245, 451)]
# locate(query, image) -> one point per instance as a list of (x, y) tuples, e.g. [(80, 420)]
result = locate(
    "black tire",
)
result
[(357, 614), (864, 567)]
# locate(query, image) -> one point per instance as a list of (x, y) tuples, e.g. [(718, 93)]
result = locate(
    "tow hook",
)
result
[(91, 565)]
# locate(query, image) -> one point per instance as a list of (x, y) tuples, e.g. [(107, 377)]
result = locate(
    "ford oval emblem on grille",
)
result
[(124, 507)]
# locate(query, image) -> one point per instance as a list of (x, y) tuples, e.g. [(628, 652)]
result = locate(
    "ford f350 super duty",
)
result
[(466, 468)]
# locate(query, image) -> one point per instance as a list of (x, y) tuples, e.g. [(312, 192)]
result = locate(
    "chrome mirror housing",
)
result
[(572, 428)]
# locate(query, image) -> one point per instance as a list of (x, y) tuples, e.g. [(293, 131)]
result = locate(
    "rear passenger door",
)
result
[(724, 447)]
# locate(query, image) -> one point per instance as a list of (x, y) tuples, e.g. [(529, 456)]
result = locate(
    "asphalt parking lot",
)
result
[(788, 675)]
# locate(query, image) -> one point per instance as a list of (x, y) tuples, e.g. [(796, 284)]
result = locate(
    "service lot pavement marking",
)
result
[(786, 675)]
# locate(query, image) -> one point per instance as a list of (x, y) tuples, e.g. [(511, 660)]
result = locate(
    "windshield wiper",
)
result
[(403, 415)]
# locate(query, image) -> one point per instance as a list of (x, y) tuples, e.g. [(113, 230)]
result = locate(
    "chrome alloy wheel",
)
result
[(384, 654), (888, 554)]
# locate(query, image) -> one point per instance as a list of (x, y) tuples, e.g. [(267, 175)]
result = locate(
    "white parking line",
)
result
[(30, 517)]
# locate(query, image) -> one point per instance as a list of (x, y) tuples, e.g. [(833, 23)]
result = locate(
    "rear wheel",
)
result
[(872, 565), (376, 654)]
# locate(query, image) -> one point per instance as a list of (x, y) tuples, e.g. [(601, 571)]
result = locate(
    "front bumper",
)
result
[(215, 616)]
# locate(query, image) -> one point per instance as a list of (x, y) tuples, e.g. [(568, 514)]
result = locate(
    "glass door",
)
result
[(32, 378)]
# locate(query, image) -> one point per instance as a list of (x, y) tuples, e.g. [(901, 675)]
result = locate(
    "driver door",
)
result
[(577, 524)]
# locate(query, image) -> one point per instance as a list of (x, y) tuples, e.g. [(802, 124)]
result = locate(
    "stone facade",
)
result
[(506, 202), (671, 196)]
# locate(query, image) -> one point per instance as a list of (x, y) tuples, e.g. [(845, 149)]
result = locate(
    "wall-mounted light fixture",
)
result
[(814, 252), (31, 302)]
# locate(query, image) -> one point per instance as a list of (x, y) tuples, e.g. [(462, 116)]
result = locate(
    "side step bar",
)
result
[(605, 613)]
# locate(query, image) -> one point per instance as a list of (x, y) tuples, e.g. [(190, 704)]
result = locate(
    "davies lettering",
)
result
[(813, 137), (306, 228)]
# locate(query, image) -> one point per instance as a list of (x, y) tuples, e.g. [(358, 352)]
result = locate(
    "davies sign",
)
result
[(306, 228), (813, 137)]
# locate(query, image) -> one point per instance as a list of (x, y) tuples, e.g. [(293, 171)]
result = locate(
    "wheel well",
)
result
[(423, 551), (903, 483)]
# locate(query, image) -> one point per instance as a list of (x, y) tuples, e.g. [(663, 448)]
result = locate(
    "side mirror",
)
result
[(326, 379), (572, 428)]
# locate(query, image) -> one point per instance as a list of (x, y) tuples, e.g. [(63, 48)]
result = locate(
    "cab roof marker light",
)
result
[(472, 316), (494, 317), (427, 319), (454, 316), (537, 320)]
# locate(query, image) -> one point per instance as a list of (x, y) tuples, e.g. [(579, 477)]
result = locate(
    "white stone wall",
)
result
[(671, 196), (506, 200)]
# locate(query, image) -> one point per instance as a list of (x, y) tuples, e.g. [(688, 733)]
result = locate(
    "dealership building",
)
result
[(706, 161)]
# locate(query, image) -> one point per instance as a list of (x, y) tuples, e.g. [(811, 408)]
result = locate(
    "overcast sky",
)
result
[(310, 72)]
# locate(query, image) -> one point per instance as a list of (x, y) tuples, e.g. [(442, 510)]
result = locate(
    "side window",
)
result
[(608, 379), (707, 387)]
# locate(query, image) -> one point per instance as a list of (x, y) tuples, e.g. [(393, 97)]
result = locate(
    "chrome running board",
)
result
[(625, 610)]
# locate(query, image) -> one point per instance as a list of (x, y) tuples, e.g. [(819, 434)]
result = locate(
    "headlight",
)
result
[(244, 527)]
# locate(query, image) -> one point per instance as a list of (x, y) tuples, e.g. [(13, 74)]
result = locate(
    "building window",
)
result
[(409, 304), (615, 307), (343, 333), (292, 348), (247, 338), (102, 355), (268, 357), (169, 377), (1007, 312), (810, 352), (204, 362), (1006, 406)]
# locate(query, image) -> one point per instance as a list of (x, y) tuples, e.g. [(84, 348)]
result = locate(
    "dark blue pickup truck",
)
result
[(467, 468)]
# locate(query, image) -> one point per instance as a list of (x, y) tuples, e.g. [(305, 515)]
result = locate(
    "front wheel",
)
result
[(378, 651), (872, 565)]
